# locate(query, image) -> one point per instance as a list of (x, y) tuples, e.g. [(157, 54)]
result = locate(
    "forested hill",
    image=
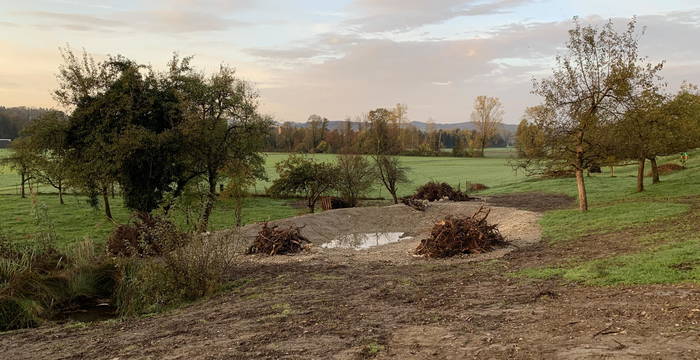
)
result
[(14, 119)]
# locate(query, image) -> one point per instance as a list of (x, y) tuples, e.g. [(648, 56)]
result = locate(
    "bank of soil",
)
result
[(386, 303)]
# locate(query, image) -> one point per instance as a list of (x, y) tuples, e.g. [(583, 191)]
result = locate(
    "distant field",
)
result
[(77, 220), (492, 170)]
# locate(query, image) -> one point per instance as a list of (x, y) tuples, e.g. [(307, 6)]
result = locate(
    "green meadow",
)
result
[(615, 207)]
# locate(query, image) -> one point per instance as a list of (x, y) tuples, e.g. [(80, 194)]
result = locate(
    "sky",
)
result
[(340, 58)]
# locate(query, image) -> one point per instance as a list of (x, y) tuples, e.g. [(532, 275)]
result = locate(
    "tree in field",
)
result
[(21, 160), (45, 138), (241, 177), (379, 139), (529, 139), (299, 175), (487, 116), (222, 126), (356, 177), (400, 114), (391, 173), (124, 128), (590, 88)]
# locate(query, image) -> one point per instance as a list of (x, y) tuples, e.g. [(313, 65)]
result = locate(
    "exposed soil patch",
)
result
[(384, 303)]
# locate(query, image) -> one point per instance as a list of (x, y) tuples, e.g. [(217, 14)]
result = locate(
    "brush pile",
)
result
[(272, 240), (451, 236), (435, 191), (416, 204), (668, 168)]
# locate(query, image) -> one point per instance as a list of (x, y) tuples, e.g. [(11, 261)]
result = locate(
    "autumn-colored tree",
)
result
[(487, 116), (590, 88)]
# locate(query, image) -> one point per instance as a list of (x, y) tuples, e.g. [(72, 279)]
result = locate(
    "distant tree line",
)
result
[(605, 105), (14, 119), (388, 130)]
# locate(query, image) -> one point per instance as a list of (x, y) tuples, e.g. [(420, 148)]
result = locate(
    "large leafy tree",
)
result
[(125, 132), (300, 175), (590, 88)]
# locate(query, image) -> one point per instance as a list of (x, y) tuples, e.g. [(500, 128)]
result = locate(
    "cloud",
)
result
[(441, 78), (161, 21), (405, 15)]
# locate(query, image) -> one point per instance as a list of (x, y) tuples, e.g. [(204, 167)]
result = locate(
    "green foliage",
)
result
[(304, 176), (197, 269), (356, 177)]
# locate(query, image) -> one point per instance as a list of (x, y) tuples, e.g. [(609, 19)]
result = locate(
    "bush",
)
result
[(16, 313), (434, 191), (196, 269), (147, 235)]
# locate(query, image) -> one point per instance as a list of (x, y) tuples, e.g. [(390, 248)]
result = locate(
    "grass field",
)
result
[(614, 204)]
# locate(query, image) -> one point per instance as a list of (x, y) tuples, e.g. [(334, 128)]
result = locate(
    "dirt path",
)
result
[(384, 303)]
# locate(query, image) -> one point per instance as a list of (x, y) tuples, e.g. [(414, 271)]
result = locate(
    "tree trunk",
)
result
[(654, 170), (612, 171), (208, 206), (640, 175), (393, 195), (105, 198), (60, 194), (582, 197), (22, 192)]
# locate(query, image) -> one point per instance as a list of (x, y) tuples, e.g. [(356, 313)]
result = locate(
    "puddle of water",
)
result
[(364, 241)]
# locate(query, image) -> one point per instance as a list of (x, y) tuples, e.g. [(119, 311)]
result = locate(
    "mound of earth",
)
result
[(519, 227)]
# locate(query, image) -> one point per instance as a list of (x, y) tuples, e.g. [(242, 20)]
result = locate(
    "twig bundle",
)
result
[(452, 236)]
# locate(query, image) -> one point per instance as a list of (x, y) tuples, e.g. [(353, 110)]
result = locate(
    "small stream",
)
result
[(363, 241)]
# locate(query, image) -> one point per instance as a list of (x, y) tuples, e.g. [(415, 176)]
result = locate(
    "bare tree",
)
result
[(487, 116), (391, 173)]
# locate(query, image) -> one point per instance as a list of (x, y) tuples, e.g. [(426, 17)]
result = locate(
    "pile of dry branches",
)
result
[(272, 240), (419, 205), (434, 191), (470, 235)]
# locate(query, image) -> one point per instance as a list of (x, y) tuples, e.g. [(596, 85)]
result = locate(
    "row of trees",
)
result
[(388, 131), (153, 135), (605, 105), (14, 119)]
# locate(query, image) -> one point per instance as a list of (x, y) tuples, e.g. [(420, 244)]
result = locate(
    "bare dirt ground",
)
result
[(385, 303)]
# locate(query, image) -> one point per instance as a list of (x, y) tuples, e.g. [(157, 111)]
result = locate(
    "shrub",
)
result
[(16, 313), (147, 235), (196, 269)]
